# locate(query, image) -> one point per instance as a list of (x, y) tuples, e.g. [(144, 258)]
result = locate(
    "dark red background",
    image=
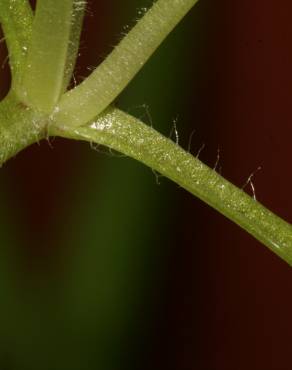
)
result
[(237, 292)]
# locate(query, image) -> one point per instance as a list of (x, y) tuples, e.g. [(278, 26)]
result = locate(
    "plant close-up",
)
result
[(47, 100)]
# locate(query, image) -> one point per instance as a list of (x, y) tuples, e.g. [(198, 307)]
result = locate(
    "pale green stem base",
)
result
[(128, 135), (44, 69)]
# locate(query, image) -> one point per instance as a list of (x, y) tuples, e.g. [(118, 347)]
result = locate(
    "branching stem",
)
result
[(94, 94), (25, 119)]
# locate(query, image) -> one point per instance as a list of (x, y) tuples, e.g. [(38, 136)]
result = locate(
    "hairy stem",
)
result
[(16, 19), (19, 127), (128, 135), (44, 71), (93, 95), (73, 44)]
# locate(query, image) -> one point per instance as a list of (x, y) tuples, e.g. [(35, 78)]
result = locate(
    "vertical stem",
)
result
[(16, 19), (73, 45), (43, 78)]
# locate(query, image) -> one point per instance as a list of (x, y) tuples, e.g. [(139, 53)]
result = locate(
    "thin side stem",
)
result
[(16, 19), (94, 94), (44, 72), (73, 45), (128, 135)]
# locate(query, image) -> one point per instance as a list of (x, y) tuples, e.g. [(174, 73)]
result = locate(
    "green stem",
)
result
[(44, 72), (19, 127), (128, 135), (16, 19), (94, 94), (73, 44)]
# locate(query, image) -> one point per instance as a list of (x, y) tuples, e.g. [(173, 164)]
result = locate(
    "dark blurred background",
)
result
[(113, 267)]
